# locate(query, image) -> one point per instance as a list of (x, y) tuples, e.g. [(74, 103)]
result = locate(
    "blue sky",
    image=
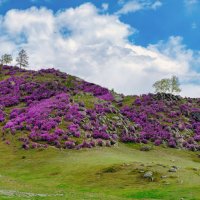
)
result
[(174, 17), (154, 37)]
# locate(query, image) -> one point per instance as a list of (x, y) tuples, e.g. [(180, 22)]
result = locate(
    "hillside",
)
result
[(50, 108), (64, 138)]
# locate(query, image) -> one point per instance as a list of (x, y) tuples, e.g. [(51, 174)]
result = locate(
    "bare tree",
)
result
[(22, 59)]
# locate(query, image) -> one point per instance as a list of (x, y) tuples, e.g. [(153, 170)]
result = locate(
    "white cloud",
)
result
[(191, 90), (95, 46), (156, 5), (136, 5), (105, 6)]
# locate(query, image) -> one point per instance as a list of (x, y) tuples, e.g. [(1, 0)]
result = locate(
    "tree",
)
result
[(168, 85), (162, 86), (22, 59), (6, 59), (175, 85)]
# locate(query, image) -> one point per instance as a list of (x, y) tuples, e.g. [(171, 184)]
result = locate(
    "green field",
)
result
[(101, 173)]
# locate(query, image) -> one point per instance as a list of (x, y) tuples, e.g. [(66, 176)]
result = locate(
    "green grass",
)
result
[(128, 100), (101, 173), (88, 99)]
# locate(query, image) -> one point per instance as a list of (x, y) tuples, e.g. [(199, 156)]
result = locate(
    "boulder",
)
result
[(167, 97), (148, 174), (173, 169)]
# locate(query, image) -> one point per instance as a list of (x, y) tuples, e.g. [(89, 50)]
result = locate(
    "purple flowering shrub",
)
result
[(44, 108), (164, 121), (41, 121)]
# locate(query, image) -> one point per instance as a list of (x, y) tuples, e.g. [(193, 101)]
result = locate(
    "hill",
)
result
[(65, 138), (48, 107)]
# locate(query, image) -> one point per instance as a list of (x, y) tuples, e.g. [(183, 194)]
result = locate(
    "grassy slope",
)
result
[(102, 173)]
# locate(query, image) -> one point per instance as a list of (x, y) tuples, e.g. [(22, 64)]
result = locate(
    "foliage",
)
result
[(6, 59), (22, 59), (48, 112), (171, 85), (175, 85)]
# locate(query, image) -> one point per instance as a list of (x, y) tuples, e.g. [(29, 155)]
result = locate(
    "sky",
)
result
[(121, 45)]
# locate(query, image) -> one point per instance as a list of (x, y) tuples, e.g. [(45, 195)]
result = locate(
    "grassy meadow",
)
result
[(101, 173)]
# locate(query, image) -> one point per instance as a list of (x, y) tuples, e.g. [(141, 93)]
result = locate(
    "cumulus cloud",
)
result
[(105, 6), (136, 5), (84, 42)]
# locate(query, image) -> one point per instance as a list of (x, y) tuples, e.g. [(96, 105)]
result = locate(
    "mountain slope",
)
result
[(49, 113), (50, 108)]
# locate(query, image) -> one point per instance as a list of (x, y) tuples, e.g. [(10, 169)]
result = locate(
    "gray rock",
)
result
[(83, 113), (148, 174), (175, 167), (118, 98), (172, 169), (119, 124), (145, 148), (116, 118), (78, 79)]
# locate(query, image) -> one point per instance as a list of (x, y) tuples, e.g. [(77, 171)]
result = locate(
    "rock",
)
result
[(167, 97), (172, 169), (119, 124), (181, 126), (148, 174), (145, 148), (79, 79), (83, 113), (166, 183), (132, 129), (164, 176), (119, 98), (116, 118)]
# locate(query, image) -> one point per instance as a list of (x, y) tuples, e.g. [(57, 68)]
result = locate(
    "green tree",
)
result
[(22, 59), (162, 86), (167, 85), (175, 85), (6, 59)]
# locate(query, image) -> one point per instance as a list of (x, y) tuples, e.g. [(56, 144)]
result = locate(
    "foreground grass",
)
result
[(102, 173)]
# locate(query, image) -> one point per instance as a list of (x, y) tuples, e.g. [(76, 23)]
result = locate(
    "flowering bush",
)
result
[(41, 106)]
